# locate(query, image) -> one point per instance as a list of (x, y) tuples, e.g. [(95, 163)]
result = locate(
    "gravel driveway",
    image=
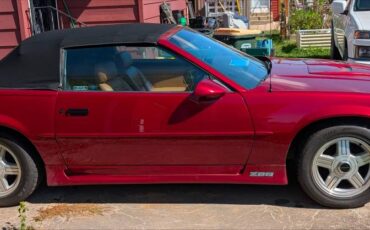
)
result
[(181, 207)]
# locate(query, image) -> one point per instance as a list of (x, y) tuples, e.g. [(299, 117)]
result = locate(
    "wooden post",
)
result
[(284, 30), (287, 8), (24, 24), (140, 8), (287, 16)]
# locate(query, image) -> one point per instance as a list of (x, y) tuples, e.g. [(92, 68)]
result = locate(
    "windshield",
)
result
[(362, 5), (241, 68)]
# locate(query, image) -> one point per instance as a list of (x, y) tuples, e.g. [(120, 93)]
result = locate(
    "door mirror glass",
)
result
[(339, 6), (207, 90)]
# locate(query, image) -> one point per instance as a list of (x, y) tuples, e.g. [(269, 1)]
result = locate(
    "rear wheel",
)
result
[(18, 173), (334, 168)]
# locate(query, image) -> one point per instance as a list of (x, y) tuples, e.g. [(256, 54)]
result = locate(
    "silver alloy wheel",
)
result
[(10, 171), (341, 167)]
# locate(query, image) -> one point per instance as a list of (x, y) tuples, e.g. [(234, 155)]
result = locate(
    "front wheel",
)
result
[(334, 167)]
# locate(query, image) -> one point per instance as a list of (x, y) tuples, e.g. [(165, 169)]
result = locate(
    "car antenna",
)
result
[(270, 87), (270, 64)]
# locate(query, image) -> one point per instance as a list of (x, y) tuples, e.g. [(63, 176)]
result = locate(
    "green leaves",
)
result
[(305, 20)]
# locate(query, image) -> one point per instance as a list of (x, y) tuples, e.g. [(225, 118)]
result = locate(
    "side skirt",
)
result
[(254, 174)]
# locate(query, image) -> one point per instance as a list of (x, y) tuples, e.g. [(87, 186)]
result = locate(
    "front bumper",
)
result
[(354, 58)]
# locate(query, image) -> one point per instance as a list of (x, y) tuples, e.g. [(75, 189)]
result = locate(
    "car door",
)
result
[(137, 112)]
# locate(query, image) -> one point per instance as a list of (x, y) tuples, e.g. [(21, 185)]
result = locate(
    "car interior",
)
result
[(129, 69)]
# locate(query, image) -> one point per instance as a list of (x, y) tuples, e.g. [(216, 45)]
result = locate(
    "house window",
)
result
[(260, 6)]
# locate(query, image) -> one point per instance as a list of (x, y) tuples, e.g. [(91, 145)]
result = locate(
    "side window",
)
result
[(127, 68)]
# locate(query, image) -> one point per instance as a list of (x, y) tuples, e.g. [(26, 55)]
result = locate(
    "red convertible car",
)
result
[(146, 103)]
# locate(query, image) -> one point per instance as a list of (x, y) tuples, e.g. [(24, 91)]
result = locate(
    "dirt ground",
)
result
[(181, 207)]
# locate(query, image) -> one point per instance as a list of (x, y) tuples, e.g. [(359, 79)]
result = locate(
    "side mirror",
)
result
[(339, 6), (208, 90)]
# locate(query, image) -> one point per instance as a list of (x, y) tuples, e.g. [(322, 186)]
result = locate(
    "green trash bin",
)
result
[(238, 38), (239, 42), (264, 48)]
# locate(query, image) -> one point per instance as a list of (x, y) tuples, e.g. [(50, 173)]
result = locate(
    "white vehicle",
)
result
[(351, 30)]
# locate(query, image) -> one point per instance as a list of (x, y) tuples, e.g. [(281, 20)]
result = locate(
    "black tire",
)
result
[(334, 51), (29, 178), (306, 159), (345, 52)]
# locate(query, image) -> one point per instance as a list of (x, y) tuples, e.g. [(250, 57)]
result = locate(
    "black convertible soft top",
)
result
[(35, 63)]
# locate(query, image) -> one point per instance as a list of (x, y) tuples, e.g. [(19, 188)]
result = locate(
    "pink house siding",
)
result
[(151, 9), (275, 8), (15, 15), (98, 12), (10, 28)]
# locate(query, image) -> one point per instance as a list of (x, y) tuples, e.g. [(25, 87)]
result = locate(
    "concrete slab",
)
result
[(181, 207)]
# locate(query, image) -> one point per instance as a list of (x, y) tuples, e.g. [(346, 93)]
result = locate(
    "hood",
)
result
[(319, 76), (362, 19)]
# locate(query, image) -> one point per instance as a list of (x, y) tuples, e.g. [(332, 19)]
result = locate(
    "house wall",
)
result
[(13, 26), (275, 9), (15, 15), (98, 12), (262, 6), (151, 9), (9, 36)]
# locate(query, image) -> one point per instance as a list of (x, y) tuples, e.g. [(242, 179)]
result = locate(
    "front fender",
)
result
[(280, 119), (332, 112)]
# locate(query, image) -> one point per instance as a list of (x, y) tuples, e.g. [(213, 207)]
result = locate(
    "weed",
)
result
[(22, 210)]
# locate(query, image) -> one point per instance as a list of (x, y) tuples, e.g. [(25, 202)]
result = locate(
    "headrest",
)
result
[(126, 59), (102, 77), (108, 68)]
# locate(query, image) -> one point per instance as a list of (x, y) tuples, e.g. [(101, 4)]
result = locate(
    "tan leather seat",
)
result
[(108, 79), (134, 77), (103, 82)]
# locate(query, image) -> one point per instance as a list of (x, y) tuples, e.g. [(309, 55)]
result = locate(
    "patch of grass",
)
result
[(289, 49), (68, 210)]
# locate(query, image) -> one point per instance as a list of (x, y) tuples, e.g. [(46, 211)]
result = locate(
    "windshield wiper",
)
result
[(267, 62)]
